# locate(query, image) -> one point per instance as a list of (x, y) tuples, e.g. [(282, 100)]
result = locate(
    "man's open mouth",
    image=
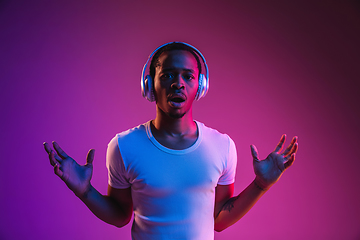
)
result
[(177, 100)]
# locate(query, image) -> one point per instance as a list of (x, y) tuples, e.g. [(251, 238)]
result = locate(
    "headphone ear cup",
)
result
[(203, 87), (147, 88)]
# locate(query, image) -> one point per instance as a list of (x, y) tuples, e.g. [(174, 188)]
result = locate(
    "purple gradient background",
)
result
[(70, 72)]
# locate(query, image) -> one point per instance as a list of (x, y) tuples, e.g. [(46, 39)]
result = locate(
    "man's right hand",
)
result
[(76, 177)]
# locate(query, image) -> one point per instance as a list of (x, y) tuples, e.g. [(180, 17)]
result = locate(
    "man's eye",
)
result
[(189, 77), (167, 76)]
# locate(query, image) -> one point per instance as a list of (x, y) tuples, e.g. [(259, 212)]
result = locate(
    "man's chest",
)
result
[(166, 173)]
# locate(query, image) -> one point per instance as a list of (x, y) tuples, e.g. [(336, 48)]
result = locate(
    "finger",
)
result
[(290, 148), (59, 151), (90, 156), (295, 148), (280, 144), (50, 152), (47, 147), (52, 156), (59, 159), (290, 161), (292, 151), (254, 152), (52, 159), (57, 170)]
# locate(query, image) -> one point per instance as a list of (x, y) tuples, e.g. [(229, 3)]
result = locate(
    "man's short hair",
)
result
[(170, 47)]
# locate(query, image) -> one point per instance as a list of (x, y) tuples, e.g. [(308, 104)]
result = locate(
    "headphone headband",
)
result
[(147, 81)]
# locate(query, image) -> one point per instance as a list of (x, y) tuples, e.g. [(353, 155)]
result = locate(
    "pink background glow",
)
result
[(70, 72)]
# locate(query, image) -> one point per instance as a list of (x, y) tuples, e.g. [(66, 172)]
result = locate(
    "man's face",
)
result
[(176, 82)]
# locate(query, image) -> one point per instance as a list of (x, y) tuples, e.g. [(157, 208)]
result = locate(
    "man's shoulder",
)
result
[(134, 132), (212, 133), (139, 127), (131, 137), (210, 130)]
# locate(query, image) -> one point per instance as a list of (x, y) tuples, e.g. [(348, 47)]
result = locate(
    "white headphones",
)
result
[(147, 84)]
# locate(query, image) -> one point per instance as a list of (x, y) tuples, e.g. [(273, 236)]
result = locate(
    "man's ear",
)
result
[(147, 88)]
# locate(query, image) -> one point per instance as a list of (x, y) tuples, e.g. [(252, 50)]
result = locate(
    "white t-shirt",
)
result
[(173, 191)]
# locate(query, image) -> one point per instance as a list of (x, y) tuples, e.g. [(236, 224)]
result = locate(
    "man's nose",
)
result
[(178, 82)]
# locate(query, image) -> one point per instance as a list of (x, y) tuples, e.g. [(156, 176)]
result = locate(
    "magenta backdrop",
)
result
[(70, 72)]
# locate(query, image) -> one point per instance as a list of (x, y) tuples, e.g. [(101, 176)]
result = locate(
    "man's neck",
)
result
[(174, 133), (175, 127)]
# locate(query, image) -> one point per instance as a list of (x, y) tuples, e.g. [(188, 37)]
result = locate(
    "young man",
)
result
[(174, 173)]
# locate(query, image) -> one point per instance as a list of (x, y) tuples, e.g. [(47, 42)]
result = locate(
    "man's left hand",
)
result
[(269, 170)]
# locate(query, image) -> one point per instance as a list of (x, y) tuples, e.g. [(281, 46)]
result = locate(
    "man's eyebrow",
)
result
[(183, 69)]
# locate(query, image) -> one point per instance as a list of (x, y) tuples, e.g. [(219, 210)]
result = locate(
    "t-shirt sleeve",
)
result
[(115, 166), (228, 175)]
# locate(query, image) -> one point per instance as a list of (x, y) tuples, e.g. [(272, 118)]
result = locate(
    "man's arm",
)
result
[(114, 208), (228, 210)]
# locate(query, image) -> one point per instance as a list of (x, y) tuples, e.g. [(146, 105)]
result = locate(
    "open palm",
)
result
[(269, 170), (76, 177)]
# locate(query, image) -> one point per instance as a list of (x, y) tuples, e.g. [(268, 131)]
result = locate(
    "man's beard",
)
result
[(176, 115), (173, 115)]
